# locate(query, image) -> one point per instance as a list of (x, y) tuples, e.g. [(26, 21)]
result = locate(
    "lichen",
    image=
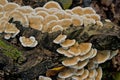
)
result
[(9, 50)]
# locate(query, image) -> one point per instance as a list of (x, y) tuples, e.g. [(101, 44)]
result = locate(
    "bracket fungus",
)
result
[(61, 38), (28, 42), (3, 2), (67, 43), (81, 59), (35, 22), (52, 4), (18, 16)]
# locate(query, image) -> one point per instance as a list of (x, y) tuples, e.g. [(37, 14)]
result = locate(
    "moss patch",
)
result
[(9, 50)]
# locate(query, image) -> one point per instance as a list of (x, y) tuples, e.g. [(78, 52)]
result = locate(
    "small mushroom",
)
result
[(65, 23), (81, 77), (64, 52), (35, 22), (96, 17), (57, 28), (61, 38), (60, 14), (75, 50), (79, 72), (11, 29), (28, 42), (85, 48), (70, 61), (92, 73), (102, 56), (7, 36), (77, 20), (68, 43), (66, 73), (18, 16), (99, 73), (50, 25), (49, 18), (10, 7), (3, 2), (80, 64), (88, 10), (52, 4), (78, 10), (87, 56), (44, 78), (88, 21), (42, 13)]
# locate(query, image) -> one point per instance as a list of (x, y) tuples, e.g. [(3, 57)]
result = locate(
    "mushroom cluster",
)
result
[(48, 18), (82, 61)]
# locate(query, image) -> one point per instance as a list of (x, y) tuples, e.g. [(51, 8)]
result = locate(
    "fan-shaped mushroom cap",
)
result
[(18, 16), (88, 21), (102, 56), (77, 20), (87, 56), (66, 73), (28, 42), (65, 23), (49, 18), (99, 23), (96, 17), (11, 28), (35, 22), (99, 73), (70, 61), (57, 28), (74, 50), (79, 72), (92, 73), (67, 15), (3, 2), (42, 13), (44, 78), (60, 14), (80, 64), (52, 4), (10, 7), (88, 10), (37, 9), (64, 52), (50, 25), (68, 43), (61, 38), (83, 76), (85, 48), (92, 65), (113, 53), (78, 10), (26, 10)]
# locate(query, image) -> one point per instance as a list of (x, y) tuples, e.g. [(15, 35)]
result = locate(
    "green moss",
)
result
[(116, 76), (9, 50)]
